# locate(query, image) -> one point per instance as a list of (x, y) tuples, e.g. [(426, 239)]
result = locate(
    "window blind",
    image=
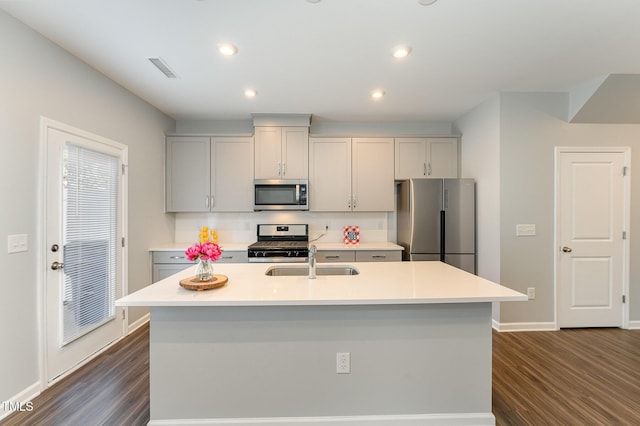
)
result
[(90, 221)]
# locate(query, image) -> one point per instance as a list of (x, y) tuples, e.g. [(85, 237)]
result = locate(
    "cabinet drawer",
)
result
[(161, 271), (336, 256), (233, 257), (378, 256), (177, 256)]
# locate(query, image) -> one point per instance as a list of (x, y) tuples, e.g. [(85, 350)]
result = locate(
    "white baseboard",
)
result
[(454, 419), (22, 398), (139, 323), (634, 325), (524, 326)]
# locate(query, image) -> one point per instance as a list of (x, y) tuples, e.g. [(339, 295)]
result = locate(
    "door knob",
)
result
[(566, 249), (57, 265)]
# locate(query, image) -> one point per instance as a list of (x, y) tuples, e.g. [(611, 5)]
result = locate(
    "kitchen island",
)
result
[(264, 349)]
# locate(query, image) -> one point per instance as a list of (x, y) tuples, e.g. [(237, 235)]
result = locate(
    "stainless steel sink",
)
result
[(302, 270)]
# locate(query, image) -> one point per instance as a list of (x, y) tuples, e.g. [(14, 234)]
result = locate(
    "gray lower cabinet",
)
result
[(167, 263), (336, 256), (359, 255), (378, 255)]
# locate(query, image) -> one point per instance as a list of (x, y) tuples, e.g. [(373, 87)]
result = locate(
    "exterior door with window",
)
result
[(84, 253), (592, 216)]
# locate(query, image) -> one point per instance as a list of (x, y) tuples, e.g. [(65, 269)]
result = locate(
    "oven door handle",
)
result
[(297, 193)]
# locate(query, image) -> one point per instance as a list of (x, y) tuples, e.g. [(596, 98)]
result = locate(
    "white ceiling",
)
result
[(326, 58)]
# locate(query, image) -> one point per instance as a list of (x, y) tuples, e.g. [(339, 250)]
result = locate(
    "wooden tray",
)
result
[(192, 284)]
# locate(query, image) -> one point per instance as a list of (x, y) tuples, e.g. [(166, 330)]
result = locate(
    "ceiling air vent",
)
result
[(163, 67)]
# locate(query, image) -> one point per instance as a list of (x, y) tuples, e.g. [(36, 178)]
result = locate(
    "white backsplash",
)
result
[(241, 227)]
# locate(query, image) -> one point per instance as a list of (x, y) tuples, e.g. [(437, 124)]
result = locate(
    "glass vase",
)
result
[(204, 270)]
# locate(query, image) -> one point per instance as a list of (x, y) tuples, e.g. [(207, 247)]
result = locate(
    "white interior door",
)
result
[(84, 254), (592, 219)]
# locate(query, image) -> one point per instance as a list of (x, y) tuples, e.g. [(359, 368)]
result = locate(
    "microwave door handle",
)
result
[(297, 194)]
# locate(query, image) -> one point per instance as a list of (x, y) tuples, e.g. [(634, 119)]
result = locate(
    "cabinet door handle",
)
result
[(349, 203), (429, 169), (279, 170), (176, 257), (424, 169), (226, 257), (332, 257), (284, 169), (354, 202), (379, 256), (206, 201), (212, 199)]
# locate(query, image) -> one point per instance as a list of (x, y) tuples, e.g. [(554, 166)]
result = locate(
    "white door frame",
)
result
[(626, 223), (45, 125)]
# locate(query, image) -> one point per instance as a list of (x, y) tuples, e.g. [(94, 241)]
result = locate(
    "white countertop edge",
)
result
[(430, 301)]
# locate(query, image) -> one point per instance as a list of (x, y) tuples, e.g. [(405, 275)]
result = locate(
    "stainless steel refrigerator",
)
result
[(437, 221)]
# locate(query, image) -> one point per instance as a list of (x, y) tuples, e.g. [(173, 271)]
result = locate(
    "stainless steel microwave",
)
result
[(281, 194)]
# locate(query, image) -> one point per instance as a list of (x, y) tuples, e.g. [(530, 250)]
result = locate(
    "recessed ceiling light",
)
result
[(314, 1), (227, 49), (427, 2), (250, 93), (400, 52), (377, 94)]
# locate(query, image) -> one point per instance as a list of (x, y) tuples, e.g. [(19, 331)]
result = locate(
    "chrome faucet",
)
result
[(312, 261)]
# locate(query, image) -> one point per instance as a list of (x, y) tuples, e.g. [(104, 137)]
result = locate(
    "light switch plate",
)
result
[(17, 243), (525, 230)]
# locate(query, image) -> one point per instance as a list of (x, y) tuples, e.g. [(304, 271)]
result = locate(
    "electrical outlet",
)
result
[(531, 293), (343, 362)]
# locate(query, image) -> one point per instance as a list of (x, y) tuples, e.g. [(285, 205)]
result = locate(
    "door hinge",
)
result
[(624, 298), (124, 167), (122, 241), (624, 171), (624, 235), (124, 314)]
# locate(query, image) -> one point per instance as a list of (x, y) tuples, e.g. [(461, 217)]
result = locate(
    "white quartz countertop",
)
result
[(377, 283), (184, 246), (359, 246), (321, 246)]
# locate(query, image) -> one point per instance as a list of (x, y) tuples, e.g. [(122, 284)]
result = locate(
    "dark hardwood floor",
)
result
[(568, 377), (112, 389)]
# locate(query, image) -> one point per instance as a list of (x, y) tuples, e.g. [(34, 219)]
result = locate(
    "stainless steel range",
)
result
[(280, 243)]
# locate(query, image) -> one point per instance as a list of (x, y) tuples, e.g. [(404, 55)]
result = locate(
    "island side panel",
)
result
[(280, 361)]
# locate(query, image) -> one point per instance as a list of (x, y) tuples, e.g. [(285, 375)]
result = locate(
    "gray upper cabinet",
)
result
[(282, 152), (206, 174), (426, 158), (351, 174)]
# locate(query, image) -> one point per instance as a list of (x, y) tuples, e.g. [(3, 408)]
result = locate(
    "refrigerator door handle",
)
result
[(442, 235)]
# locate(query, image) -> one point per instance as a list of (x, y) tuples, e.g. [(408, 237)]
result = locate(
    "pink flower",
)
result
[(193, 252), (210, 251), (205, 251)]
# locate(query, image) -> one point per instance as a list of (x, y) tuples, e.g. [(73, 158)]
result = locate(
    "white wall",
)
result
[(480, 160), (531, 126), (40, 79)]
